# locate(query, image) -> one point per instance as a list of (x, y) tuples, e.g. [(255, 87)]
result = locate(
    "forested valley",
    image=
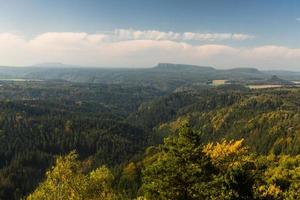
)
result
[(67, 140), (149, 100)]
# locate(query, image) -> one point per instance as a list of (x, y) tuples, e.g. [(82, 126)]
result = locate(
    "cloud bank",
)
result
[(129, 34), (141, 49)]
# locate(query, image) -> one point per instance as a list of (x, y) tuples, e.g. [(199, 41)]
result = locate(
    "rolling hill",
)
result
[(164, 76)]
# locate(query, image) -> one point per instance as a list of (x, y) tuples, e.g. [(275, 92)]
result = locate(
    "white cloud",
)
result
[(298, 19), (130, 34), (139, 51)]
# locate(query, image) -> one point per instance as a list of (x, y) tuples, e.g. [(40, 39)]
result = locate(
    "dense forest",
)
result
[(66, 140)]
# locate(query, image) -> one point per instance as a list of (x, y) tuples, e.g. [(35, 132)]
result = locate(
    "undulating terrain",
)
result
[(167, 132)]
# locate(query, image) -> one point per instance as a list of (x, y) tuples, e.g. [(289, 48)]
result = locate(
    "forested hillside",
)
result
[(149, 100), (268, 120), (63, 140), (39, 120)]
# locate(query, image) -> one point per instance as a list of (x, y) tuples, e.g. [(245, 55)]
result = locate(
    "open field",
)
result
[(219, 82), (264, 86)]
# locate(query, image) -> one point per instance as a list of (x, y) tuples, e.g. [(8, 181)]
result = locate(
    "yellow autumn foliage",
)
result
[(226, 152), (269, 191), (130, 169), (65, 181)]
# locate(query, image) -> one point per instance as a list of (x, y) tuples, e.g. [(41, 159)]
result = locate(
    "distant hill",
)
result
[(165, 76), (242, 74), (287, 75), (276, 80), (182, 67)]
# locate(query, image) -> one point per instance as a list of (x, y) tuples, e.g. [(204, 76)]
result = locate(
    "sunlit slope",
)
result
[(267, 119)]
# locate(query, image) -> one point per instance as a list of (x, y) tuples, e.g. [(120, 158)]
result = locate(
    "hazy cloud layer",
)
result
[(129, 34), (143, 49)]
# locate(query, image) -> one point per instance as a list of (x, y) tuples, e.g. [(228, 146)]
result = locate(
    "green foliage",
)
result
[(184, 169), (129, 182), (40, 120), (268, 120), (236, 170), (66, 181), (112, 125), (281, 178), (180, 170)]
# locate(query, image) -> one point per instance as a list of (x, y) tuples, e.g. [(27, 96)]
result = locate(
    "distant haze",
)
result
[(100, 50), (222, 34)]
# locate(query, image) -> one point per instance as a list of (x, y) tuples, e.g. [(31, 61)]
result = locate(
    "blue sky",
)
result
[(267, 23)]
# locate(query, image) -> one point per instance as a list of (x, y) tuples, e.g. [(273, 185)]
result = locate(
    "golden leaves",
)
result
[(226, 152)]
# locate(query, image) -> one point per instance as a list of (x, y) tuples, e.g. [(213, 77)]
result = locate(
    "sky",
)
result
[(139, 33)]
